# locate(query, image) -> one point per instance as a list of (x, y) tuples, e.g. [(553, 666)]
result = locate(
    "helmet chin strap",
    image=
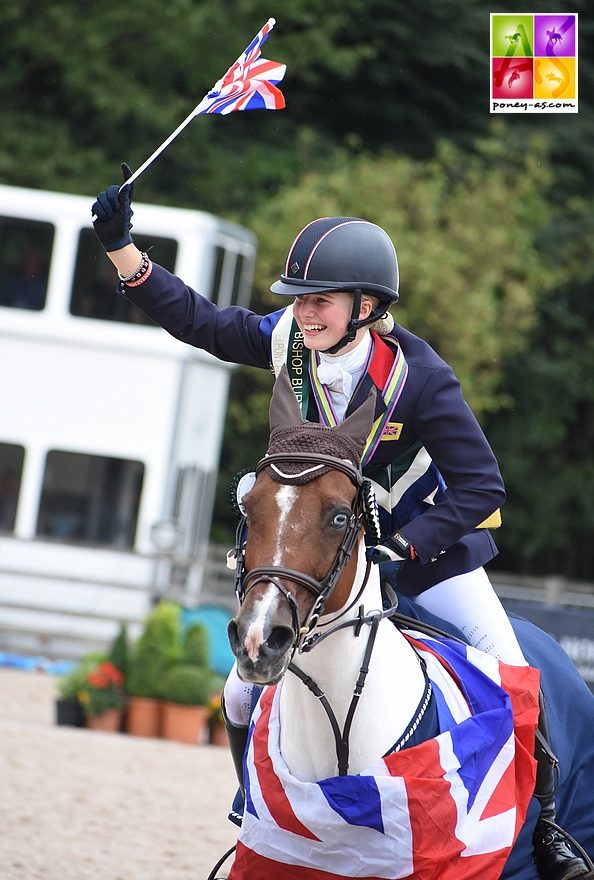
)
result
[(355, 323)]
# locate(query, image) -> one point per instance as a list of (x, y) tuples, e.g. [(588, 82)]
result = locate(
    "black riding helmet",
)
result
[(343, 254)]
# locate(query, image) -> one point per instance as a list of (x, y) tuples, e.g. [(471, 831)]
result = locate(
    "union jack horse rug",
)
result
[(449, 808)]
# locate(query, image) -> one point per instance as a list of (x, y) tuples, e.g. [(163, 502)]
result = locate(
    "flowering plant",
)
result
[(102, 690), (216, 711)]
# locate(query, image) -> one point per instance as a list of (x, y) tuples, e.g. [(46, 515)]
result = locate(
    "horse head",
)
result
[(304, 516)]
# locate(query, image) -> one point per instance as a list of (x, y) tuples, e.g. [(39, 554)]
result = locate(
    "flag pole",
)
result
[(180, 128), (160, 149)]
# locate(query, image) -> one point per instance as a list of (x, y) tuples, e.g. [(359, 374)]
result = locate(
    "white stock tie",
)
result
[(335, 378)]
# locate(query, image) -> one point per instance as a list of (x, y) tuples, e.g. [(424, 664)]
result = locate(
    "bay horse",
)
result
[(378, 751)]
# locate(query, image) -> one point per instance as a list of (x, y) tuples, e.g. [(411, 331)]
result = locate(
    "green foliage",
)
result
[(544, 443), (101, 88), (158, 647), (119, 652), (196, 645), (187, 684)]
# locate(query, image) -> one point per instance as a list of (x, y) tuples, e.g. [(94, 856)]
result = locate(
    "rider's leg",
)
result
[(236, 706), (554, 859), (470, 602)]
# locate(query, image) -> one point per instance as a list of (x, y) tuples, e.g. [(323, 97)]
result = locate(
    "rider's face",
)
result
[(323, 319)]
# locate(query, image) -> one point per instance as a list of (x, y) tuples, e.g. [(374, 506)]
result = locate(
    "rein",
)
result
[(372, 619), (341, 738)]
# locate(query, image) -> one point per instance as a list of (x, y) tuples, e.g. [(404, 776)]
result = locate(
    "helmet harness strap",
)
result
[(355, 323)]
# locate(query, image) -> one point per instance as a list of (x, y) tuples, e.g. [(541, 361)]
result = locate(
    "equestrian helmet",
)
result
[(341, 253)]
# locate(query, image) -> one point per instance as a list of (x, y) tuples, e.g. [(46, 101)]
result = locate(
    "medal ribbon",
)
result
[(390, 392)]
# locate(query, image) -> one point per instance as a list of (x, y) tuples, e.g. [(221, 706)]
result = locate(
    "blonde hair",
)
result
[(383, 325)]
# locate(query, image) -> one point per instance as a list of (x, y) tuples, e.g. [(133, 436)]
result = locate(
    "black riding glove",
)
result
[(114, 214)]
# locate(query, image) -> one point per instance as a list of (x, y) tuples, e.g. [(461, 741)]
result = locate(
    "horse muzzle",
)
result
[(263, 653)]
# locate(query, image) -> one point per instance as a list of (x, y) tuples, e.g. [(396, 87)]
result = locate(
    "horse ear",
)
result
[(358, 425), (284, 409)]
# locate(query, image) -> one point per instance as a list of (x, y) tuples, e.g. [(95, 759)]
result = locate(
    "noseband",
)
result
[(320, 589)]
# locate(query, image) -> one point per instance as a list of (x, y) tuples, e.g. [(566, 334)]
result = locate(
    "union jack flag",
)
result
[(447, 809), (249, 84)]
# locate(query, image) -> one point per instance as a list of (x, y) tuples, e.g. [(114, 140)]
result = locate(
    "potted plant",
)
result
[(186, 689), (102, 697), (157, 648), (68, 708)]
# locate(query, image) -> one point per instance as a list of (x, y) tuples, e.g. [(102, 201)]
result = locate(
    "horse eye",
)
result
[(339, 520)]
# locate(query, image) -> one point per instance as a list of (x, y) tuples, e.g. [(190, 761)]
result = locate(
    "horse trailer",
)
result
[(110, 429)]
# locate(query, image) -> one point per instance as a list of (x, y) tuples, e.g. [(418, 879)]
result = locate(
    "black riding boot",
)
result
[(238, 734), (554, 859)]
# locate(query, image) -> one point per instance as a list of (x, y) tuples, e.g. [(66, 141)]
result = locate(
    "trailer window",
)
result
[(11, 469), (239, 294), (217, 275), (95, 279), (90, 499), (25, 253)]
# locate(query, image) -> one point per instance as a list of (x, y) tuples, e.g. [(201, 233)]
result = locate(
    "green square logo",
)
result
[(512, 35)]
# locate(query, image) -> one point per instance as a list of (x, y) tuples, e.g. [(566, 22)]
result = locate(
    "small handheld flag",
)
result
[(249, 84)]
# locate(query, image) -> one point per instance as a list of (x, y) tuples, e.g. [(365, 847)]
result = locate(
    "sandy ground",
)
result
[(82, 805)]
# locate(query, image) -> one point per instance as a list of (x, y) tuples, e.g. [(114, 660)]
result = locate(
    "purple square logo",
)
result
[(554, 35)]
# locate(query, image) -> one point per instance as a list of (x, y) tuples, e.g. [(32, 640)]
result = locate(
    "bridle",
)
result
[(320, 589), (304, 640)]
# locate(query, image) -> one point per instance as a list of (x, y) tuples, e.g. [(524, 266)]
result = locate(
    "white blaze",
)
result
[(255, 633), (285, 498)]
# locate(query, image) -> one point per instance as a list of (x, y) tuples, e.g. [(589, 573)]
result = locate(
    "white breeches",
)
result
[(238, 698), (470, 603)]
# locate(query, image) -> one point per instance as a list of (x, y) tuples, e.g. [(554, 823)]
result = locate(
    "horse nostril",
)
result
[(233, 635), (279, 641)]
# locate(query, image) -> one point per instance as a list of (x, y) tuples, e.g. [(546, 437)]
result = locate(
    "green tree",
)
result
[(543, 438)]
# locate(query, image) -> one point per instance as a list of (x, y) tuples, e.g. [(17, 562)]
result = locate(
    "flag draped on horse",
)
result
[(449, 808)]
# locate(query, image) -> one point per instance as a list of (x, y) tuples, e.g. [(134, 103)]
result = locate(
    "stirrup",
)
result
[(563, 836)]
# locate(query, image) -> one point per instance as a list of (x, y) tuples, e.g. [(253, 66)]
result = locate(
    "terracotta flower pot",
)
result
[(109, 721), (185, 724), (218, 735), (143, 717)]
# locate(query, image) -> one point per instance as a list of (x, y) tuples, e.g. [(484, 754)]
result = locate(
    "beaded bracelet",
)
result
[(143, 276), (141, 270)]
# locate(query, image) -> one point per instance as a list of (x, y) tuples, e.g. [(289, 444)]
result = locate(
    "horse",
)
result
[(353, 768)]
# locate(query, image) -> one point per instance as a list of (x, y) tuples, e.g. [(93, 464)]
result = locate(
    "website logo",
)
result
[(534, 61)]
